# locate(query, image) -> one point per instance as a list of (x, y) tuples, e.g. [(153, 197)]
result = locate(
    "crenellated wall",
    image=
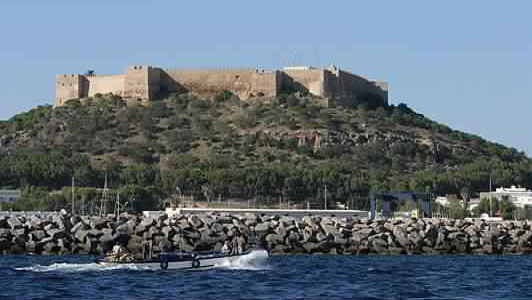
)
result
[(142, 82), (68, 86), (145, 82)]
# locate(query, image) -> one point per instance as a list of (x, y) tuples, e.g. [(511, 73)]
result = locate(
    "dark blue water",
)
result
[(282, 277)]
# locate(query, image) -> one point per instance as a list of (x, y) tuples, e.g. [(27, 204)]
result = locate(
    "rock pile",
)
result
[(62, 234)]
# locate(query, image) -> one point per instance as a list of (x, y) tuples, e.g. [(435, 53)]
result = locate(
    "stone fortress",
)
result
[(140, 84)]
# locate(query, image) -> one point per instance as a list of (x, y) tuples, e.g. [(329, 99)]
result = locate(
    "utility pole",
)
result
[(325, 197), (73, 195), (280, 202), (117, 207)]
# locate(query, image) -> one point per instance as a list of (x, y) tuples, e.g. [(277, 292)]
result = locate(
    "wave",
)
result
[(256, 260), (75, 268)]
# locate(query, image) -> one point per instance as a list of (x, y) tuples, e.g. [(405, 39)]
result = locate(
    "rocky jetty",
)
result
[(63, 234)]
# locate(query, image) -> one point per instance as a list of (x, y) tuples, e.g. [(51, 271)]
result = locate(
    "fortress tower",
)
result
[(143, 83)]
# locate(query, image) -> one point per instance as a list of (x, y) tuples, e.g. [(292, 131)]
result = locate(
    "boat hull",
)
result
[(250, 257)]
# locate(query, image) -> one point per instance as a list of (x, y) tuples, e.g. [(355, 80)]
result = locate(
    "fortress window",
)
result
[(62, 84), (237, 76)]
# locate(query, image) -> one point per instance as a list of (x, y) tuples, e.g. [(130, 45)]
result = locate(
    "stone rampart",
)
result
[(245, 83), (103, 84), (62, 234), (146, 83)]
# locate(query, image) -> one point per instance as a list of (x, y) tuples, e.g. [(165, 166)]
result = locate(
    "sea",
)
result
[(277, 277)]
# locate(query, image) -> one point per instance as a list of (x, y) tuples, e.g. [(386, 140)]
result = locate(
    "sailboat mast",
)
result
[(490, 198), (73, 205)]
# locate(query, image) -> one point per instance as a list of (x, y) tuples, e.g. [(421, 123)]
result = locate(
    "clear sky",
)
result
[(467, 64)]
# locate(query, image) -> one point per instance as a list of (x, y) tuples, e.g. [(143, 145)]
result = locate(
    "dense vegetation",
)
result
[(289, 147)]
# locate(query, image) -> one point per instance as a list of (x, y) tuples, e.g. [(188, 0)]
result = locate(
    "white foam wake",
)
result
[(74, 268), (255, 260)]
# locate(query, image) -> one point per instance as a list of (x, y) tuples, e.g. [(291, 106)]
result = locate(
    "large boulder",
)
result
[(311, 247), (36, 222), (195, 221), (15, 223), (273, 239), (37, 235), (3, 222), (98, 223), (81, 235), (192, 234), (379, 245), (60, 222), (5, 244), (56, 233), (262, 228), (79, 226), (330, 230), (168, 231)]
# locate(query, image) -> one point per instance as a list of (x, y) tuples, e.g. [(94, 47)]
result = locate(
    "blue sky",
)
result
[(467, 64)]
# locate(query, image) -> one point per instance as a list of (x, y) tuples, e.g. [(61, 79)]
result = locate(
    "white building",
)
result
[(442, 200), (9, 195), (523, 201), (518, 195)]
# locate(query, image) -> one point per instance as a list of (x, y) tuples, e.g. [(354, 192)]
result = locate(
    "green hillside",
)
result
[(289, 147)]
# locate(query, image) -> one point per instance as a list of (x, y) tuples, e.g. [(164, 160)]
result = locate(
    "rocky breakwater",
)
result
[(63, 234)]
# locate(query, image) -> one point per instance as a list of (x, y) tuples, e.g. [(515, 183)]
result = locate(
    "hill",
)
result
[(289, 147)]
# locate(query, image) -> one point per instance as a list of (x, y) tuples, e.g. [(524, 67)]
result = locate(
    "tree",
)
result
[(506, 209), (457, 210), (140, 198)]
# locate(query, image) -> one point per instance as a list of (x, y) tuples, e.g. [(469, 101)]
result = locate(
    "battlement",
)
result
[(145, 82)]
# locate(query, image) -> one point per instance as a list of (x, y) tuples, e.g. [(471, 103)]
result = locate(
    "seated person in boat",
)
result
[(234, 246), (119, 254)]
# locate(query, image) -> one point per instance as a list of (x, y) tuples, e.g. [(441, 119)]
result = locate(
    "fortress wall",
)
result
[(381, 87), (307, 79), (68, 86), (141, 82), (330, 84), (267, 84), (104, 84), (154, 82), (351, 86), (242, 82)]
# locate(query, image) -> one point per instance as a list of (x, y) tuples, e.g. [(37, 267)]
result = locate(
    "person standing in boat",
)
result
[(227, 247), (241, 244)]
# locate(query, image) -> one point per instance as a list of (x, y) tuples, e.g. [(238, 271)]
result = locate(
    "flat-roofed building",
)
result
[(9, 195)]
